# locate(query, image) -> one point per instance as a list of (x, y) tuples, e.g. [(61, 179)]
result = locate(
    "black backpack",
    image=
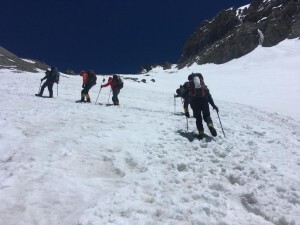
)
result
[(54, 75), (183, 90), (92, 78), (118, 81)]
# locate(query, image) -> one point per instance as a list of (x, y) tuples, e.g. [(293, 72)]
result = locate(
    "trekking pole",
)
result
[(98, 96), (221, 124), (100, 90), (57, 90), (187, 124), (109, 96), (40, 87), (174, 105)]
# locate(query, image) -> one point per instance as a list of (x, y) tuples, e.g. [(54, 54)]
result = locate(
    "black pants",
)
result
[(115, 93), (86, 89), (200, 108), (48, 84), (186, 102)]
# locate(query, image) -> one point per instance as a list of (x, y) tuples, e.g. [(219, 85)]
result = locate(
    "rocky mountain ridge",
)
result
[(236, 32), (9, 60)]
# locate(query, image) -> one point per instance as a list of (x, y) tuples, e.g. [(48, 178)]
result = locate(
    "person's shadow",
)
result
[(106, 104), (179, 114), (191, 136)]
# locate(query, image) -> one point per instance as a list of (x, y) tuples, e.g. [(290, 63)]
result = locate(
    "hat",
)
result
[(199, 75), (190, 77)]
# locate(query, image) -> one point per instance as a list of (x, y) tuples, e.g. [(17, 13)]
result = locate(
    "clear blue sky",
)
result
[(109, 36)]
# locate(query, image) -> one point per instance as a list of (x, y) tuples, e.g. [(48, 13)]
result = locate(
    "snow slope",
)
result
[(87, 164)]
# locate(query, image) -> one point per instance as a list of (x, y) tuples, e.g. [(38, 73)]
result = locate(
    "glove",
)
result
[(83, 86), (42, 80), (101, 86), (187, 114), (216, 108)]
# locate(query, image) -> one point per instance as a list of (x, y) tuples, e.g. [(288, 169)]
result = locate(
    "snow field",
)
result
[(68, 163)]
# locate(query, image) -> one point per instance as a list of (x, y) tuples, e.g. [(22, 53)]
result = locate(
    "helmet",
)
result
[(192, 75)]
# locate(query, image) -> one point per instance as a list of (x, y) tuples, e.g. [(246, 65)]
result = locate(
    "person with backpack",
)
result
[(52, 76), (200, 100), (116, 83), (183, 92), (89, 79)]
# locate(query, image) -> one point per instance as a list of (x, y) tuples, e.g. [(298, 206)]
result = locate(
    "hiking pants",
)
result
[(86, 89), (115, 93), (186, 102), (200, 106), (48, 84)]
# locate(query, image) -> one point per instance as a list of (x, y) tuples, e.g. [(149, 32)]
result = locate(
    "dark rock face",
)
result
[(236, 32), (10, 61)]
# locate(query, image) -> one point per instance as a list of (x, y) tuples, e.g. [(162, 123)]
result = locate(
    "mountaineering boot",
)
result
[(38, 95), (212, 129), (187, 114), (88, 99), (201, 134), (116, 103), (82, 97)]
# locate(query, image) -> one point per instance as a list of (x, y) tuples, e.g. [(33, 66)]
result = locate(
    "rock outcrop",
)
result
[(10, 61), (236, 32)]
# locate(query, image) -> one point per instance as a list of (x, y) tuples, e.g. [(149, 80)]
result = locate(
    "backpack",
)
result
[(53, 75), (92, 78), (183, 90), (118, 82)]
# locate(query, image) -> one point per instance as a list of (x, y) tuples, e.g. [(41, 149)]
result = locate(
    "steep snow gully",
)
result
[(87, 164), (66, 163)]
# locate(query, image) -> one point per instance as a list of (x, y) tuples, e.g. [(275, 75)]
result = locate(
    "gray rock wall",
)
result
[(234, 33)]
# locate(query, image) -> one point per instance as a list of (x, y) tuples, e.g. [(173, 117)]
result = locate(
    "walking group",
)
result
[(89, 79), (194, 92)]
